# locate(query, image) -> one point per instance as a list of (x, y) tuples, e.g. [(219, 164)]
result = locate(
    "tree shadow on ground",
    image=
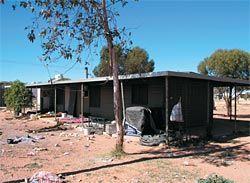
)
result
[(210, 153)]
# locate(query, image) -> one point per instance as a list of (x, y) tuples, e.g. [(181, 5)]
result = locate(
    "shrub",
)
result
[(215, 179), (18, 97)]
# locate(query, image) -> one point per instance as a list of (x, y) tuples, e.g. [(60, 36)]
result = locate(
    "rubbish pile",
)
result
[(72, 120), (57, 127), (153, 140), (139, 122), (24, 139), (50, 114), (45, 177)]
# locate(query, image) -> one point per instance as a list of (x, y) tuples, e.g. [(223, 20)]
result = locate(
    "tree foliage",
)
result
[(227, 63), (131, 61), (233, 63), (138, 62), (18, 97), (102, 69), (68, 28)]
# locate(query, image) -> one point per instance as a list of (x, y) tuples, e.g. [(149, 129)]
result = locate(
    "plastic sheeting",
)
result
[(141, 119), (176, 114)]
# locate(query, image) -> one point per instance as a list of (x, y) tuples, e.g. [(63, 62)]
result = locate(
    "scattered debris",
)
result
[(186, 163), (135, 180), (73, 120), (170, 155), (40, 149), (47, 177), (24, 139), (62, 134), (65, 139), (50, 115), (31, 153), (107, 160), (68, 134), (72, 176), (87, 131), (2, 152), (66, 153), (57, 127), (57, 145), (163, 145), (227, 162), (227, 153), (86, 145), (8, 118), (152, 140), (33, 117), (111, 128)]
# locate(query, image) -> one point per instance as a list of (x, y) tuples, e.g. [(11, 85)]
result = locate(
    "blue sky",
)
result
[(176, 34)]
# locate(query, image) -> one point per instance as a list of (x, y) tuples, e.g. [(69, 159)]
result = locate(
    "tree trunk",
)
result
[(116, 85), (227, 101), (117, 104)]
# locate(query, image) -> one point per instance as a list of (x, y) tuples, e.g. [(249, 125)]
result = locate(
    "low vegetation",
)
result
[(215, 179), (18, 97)]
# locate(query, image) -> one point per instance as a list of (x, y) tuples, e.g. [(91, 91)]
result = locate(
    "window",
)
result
[(95, 97), (140, 94)]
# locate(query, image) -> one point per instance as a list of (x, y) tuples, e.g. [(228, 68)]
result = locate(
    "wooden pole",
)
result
[(166, 106), (36, 100), (82, 97), (208, 110), (211, 109), (235, 110), (230, 102), (123, 104), (55, 102)]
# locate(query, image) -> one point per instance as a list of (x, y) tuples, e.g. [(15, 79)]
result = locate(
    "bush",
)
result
[(18, 97), (215, 179)]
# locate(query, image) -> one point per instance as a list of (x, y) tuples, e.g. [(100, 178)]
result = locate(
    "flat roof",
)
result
[(191, 75)]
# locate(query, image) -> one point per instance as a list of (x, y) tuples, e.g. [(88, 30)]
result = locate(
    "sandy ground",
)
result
[(242, 109), (88, 159)]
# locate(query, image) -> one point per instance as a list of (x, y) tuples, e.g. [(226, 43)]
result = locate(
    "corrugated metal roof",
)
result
[(148, 75)]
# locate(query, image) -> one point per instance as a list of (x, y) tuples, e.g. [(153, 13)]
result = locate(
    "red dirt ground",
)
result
[(88, 159)]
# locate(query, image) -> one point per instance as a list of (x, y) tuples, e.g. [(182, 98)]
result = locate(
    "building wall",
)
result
[(194, 99), (156, 89), (106, 103), (193, 94)]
